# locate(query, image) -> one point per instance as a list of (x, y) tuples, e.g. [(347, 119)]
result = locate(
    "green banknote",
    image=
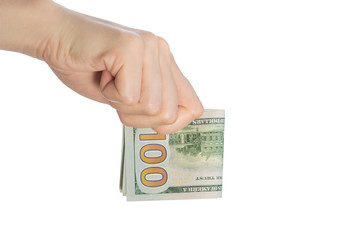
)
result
[(186, 164)]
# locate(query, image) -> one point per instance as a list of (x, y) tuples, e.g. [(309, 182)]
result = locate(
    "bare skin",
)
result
[(132, 70)]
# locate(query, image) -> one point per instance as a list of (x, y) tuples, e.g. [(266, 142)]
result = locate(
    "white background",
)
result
[(287, 73)]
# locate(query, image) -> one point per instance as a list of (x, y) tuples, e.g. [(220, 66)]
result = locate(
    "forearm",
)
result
[(26, 25)]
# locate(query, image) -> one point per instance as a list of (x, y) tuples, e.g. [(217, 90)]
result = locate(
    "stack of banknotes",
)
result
[(183, 165)]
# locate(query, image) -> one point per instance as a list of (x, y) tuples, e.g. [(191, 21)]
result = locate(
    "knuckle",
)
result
[(171, 57), (149, 38), (135, 44), (163, 44), (151, 108), (129, 99), (168, 117), (197, 110)]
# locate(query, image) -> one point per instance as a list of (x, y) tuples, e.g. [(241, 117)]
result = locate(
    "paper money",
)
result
[(183, 165)]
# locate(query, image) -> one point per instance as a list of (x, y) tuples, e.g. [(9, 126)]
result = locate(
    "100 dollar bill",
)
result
[(182, 165)]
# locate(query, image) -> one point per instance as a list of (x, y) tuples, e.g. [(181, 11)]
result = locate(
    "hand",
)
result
[(131, 70)]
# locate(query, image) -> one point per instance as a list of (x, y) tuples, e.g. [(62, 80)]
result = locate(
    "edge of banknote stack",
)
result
[(187, 164)]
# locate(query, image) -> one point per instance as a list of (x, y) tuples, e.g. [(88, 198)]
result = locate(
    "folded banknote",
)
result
[(182, 165)]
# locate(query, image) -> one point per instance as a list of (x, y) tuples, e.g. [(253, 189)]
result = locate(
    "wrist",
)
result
[(27, 26)]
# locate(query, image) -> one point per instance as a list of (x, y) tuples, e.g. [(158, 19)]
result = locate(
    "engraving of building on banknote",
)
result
[(200, 145), (193, 143)]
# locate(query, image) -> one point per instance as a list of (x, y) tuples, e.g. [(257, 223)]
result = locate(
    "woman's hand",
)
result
[(132, 70)]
